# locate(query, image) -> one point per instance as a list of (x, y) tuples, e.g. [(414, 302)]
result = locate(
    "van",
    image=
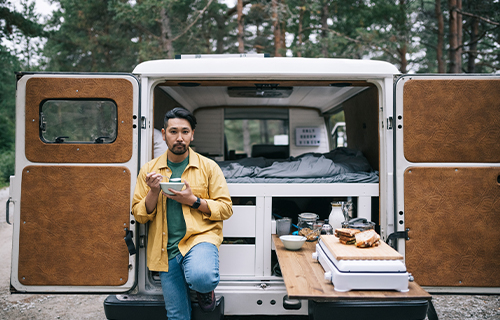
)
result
[(419, 157)]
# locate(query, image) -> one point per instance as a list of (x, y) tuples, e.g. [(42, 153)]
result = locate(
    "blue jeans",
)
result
[(198, 270)]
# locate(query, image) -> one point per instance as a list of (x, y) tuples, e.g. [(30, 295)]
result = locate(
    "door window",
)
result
[(78, 121)]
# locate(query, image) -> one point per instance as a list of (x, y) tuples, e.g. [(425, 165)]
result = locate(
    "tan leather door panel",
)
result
[(454, 219), (452, 121), (447, 133), (40, 89), (72, 226)]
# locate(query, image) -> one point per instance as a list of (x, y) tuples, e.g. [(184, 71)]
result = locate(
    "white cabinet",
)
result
[(238, 259)]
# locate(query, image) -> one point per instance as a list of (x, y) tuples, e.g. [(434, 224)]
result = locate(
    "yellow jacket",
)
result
[(207, 182)]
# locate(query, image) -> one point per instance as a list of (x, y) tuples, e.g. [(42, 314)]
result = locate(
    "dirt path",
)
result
[(80, 307)]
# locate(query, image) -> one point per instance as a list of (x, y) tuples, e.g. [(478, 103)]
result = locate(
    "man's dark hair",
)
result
[(181, 113)]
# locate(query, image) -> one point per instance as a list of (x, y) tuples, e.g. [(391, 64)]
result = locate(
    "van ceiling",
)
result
[(324, 96)]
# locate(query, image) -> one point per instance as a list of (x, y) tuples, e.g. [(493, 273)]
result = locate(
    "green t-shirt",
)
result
[(175, 219)]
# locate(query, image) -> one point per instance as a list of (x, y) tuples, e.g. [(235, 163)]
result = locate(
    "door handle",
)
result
[(7, 210)]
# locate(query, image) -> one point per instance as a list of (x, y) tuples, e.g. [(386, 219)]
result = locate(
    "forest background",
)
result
[(418, 36)]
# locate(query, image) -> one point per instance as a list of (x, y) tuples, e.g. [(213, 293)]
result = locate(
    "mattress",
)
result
[(341, 165)]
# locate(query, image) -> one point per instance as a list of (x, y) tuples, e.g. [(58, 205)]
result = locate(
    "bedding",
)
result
[(341, 165)]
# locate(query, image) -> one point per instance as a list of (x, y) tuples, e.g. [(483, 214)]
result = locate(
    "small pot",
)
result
[(359, 223)]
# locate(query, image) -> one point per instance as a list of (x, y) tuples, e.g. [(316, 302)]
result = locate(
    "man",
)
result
[(185, 229)]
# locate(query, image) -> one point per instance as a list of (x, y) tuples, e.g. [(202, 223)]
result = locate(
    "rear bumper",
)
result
[(373, 310), (139, 307)]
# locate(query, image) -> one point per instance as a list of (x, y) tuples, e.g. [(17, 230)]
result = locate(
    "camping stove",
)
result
[(350, 269)]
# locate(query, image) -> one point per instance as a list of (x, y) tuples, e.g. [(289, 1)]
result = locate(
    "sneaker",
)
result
[(206, 301)]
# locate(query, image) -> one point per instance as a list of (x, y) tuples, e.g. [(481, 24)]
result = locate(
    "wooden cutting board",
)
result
[(342, 251)]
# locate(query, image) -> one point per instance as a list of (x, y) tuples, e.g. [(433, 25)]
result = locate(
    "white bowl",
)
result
[(177, 186), (292, 242)]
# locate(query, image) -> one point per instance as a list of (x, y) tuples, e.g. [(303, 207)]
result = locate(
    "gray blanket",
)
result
[(341, 165)]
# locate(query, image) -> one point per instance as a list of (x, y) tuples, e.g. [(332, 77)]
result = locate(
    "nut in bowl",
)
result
[(171, 185), (292, 242)]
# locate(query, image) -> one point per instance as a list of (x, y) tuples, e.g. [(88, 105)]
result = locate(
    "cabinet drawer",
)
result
[(241, 224), (237, 260)]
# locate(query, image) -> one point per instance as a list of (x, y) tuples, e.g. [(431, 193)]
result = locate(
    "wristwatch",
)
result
[(197, 203)]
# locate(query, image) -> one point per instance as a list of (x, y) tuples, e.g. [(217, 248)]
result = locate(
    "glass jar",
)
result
[(308, 226)]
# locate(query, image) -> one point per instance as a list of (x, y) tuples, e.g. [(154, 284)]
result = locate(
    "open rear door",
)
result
[(76, 165), (448, 180)]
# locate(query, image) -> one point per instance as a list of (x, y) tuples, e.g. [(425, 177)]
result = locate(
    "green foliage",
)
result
[(12, 20), (7, 99), (85, 36), (7, 166), (9, 64), (116, 35), (19, 28)]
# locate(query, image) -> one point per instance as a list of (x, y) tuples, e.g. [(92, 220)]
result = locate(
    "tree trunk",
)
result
[(283, 35), (221, 33), (403, 49), (277, 31), (324, 26), (471, 63), (402, 54), (459, 36), (258, 47), (264, 132), (241, 44), (166, 34), (246, 138), (453, 37), (440, 37), (299, 38)]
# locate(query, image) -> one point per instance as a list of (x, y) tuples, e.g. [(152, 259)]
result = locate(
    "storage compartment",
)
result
[(237, 260), (241, 224), (364, 205)]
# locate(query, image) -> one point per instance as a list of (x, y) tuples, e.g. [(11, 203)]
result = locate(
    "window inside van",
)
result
[(78, 121), (337, 125), (255, 132)]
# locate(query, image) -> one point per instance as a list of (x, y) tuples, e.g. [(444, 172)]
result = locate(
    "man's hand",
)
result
[(187, 197), (153, 180)]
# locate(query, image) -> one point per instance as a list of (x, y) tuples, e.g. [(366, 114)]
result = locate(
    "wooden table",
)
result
[(304, 279)]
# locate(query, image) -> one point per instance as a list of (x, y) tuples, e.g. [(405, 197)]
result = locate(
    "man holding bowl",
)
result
[(185, 228)]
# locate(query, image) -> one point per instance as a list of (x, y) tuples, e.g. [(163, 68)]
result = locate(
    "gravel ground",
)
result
[(82, 307)]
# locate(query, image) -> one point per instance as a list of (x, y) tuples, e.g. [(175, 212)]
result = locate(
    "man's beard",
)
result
[(178, 151)]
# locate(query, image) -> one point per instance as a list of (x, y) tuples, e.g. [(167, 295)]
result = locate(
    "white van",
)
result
[(422, 162)]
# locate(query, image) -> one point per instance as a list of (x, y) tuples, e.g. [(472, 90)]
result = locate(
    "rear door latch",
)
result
[(397, 235)]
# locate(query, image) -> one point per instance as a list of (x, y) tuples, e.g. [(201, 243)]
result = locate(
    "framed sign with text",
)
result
[(307, 137)]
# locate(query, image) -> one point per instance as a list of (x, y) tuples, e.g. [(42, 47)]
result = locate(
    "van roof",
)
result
[(265, 68)]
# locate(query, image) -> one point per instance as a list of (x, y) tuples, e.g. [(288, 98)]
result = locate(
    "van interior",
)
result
[(249, 119)]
